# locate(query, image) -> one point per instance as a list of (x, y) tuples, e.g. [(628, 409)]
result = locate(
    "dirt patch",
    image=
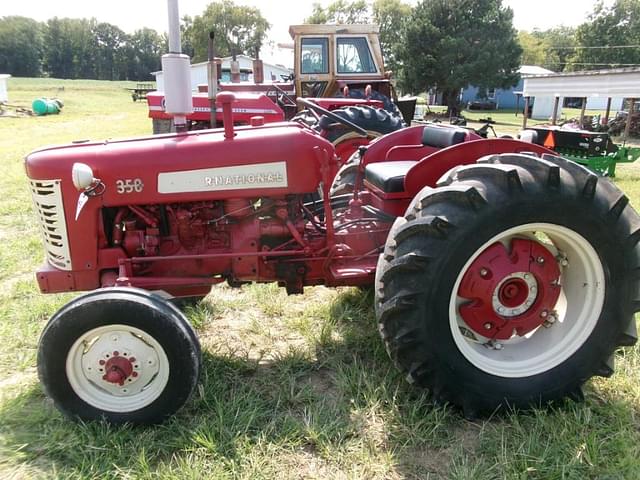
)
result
[(435, 463), (238, 325), (27, 375)]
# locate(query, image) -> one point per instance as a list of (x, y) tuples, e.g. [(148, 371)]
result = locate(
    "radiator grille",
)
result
[(47, 200)]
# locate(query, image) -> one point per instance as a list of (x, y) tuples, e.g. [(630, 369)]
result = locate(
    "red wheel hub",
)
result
[(117, 369), (513, 292), (510, 291)]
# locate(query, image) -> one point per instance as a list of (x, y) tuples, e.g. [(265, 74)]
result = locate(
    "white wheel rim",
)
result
[(578, 309), (91, 353)]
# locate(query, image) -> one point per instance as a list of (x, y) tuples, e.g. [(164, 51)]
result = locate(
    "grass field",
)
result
[(292, 387)]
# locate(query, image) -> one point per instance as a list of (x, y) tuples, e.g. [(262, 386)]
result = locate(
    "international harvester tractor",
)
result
[(503, 275)]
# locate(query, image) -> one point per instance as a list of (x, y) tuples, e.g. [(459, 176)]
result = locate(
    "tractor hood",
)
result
[(275, 159)]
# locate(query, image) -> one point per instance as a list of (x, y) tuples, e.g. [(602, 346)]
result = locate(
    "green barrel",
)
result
[(45, 106)]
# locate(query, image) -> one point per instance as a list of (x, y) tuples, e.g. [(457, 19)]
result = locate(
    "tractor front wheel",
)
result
[(510, 284), (119, 354)]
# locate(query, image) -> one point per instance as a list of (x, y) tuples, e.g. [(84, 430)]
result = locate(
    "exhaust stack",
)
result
[(177, 73)]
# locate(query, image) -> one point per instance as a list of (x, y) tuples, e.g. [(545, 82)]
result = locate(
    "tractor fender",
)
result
[(429, 169)]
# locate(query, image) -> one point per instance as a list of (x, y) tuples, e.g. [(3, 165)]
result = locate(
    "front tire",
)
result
[(510, 284), (119, 354)]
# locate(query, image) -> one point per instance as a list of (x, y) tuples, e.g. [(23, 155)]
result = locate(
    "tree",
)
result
[(550, 49), (21, 46), (143, 51), (560, 43), (340, 12), (237, 28), (109, 43), (70, 48), (609, 27), (390, 15), (534, 48), (450, 44)]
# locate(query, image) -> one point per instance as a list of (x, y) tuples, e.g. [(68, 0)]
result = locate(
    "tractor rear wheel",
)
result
[(161, 125), (119, 354), (346, 177), (510, 284), (376, 121), (387, 103)]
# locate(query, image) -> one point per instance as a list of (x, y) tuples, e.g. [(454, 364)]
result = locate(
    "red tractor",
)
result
[(504, 275), (339, 67)]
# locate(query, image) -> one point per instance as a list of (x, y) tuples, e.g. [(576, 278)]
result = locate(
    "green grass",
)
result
[(292, 387)]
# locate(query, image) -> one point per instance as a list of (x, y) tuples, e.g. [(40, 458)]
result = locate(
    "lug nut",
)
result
[(540, 260), (484, 272), (564, 262), (544, 314), (497, 346), (488, 326)]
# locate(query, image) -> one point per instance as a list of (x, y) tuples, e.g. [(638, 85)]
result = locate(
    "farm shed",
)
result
[(199, 72), (597, 86)]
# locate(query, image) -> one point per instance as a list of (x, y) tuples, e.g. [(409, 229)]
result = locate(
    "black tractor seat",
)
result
[(443, 136), (388, 176)]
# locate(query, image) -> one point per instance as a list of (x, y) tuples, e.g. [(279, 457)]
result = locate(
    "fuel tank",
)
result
[(274, 159)]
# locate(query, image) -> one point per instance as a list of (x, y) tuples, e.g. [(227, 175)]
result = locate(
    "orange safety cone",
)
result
[(550, 141)]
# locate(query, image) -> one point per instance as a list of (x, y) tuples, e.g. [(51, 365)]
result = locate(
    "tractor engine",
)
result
[(206, 228)]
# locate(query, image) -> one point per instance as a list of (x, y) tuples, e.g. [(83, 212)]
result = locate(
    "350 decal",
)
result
[(129, 185)]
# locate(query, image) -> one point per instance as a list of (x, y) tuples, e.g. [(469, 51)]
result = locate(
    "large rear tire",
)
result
[(161, 126), (510, 284), (345, 179), (119, 354), (376, 121), (387, 103)]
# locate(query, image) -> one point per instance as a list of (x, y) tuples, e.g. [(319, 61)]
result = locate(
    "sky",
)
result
[(130, 15)]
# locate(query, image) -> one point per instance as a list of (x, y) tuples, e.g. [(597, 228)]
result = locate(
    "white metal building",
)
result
[(4, 96), (199, 72), (597, 86)]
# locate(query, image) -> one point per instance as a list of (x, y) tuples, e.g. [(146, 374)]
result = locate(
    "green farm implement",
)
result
[(594, 150)]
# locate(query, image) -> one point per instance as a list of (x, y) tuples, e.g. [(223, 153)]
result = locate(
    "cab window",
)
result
[(315, 55), (354, 55)]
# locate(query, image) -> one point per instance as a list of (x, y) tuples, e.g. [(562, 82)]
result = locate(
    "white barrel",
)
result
[(177, 84)]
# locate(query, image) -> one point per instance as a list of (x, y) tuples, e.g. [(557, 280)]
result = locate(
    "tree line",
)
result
[(87, 48), (447, 44), (609, 38), (77, 48)]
